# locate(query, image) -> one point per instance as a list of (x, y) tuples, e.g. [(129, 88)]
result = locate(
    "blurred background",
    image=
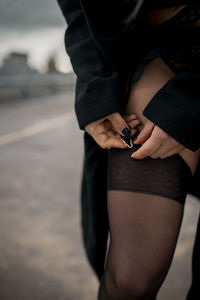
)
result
[(41, 153)]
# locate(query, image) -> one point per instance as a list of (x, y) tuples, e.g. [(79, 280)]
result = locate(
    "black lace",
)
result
[(190, 18), (183, 52), (185, 55), (181, 47), (184, 60)]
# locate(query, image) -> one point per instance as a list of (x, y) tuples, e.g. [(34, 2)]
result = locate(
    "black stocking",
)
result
[(194, 292), (145, 207)]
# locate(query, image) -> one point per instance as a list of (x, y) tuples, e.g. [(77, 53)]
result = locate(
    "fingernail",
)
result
[(126, 131)]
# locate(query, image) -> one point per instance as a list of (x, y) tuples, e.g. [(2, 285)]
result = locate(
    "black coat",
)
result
[(102, 54)]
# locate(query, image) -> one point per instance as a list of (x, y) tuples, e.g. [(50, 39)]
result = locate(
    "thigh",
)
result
[(142, 92)]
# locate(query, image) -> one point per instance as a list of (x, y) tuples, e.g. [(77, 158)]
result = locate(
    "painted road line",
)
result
[(36, 128)]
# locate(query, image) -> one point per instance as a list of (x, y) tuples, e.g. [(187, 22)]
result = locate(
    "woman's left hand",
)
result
[(155, 143)]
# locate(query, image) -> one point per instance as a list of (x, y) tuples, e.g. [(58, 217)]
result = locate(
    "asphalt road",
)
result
[(41, 252)]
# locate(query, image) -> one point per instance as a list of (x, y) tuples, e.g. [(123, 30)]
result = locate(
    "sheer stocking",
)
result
[(194, 292), (145, 208), (146, 198), (143, 233)]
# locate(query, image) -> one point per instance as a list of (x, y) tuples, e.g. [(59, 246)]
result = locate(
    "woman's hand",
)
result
[(107, 131), (156, 143)]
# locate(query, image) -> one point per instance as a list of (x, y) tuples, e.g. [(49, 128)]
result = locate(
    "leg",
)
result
[(143, 216), (194, 290), (145, 208), (144, 230)]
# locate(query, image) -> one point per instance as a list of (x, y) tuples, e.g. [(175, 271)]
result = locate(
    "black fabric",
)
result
[(175, 94), (91, 64), (95, 91), (99, 84), (92, 69), (194, 292), (170, 177), (99, 59), (112, 36), (183, 57), (144, 223), (177, 42), (94, 218)]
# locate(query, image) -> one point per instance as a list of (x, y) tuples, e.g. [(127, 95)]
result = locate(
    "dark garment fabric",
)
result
[(170, 177), (97, 59), (103, 54)]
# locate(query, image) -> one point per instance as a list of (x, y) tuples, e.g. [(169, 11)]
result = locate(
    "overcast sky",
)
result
[(36, 27)]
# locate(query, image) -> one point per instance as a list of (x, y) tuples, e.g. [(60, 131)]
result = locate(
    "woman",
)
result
[(143, 220)]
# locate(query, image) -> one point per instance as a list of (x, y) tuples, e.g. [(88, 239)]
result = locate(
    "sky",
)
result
[(36, 27)]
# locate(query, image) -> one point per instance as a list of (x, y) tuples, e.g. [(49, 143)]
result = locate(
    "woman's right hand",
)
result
[(107, 131)]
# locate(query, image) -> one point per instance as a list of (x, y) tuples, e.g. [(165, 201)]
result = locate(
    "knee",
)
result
[(130, 286)]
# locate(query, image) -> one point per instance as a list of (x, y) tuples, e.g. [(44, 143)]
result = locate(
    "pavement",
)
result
[(41, 251)]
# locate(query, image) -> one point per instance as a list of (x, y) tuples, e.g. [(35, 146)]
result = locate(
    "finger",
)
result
[(109, 138), (116, 134), (167, 148), (95, 128), (133, 132), (134, 123), (157, 153), (162, 151), (106, 137), (130, 117), (113, 134), (118, 123), (91, 127), (102, 127), (110, 142), (175, 150), (139, 128), (145, 133), (148, 148)]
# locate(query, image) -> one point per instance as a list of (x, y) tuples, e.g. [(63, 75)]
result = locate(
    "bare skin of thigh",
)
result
[(159, 16), (155, 75)]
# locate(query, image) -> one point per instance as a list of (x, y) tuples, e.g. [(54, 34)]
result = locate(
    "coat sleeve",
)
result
[(99, 89), (117, 26), (176, 109)]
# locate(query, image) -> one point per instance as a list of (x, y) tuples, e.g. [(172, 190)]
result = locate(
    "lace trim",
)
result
[(190, 18), (180, 56), (184, 60), (185, 57)]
